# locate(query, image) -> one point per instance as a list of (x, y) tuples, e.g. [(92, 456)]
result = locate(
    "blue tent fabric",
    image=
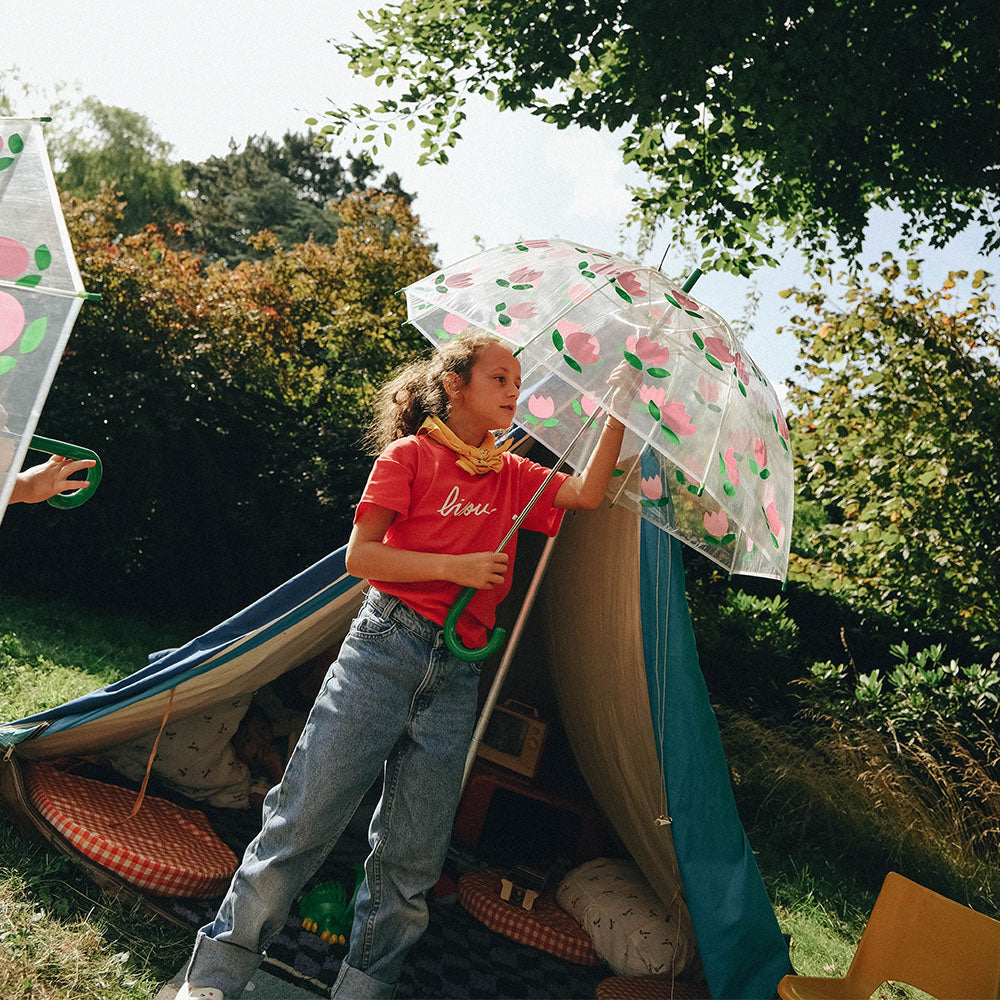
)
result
[(321, 584), (741, 945)]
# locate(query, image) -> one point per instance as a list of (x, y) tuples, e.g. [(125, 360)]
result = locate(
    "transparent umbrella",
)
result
[(706, 455), (40, 297)]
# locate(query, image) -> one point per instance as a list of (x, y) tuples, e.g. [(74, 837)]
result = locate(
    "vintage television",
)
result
[(514, 738)]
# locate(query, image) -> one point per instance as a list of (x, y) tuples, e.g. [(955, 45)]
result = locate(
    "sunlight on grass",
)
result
[(63, 940)]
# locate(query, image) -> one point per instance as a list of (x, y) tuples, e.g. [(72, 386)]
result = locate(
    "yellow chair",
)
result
[(917, 937)]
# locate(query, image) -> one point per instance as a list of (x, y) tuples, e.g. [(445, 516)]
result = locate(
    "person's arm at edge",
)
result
[(585, 492), (370, 558)]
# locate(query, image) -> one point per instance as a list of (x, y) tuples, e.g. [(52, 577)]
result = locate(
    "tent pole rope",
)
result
[(141, 795), (508, 656)]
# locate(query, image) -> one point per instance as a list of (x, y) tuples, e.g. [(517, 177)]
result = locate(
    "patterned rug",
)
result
[(457, 959)]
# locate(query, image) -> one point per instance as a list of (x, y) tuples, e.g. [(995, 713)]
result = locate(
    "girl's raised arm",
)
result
[(585, 492)]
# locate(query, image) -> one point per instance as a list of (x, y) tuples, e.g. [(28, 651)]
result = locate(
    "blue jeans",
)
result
[(395, 697)]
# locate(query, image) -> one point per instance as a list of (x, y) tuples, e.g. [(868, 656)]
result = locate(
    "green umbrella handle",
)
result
[(455, 645), (65, 501)]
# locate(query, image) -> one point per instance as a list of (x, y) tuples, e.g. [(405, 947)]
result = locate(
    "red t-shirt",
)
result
[(441, 508)]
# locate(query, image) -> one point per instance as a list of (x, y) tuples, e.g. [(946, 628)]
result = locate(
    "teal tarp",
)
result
[(742, 948)]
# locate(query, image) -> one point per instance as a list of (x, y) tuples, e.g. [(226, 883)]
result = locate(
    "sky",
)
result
[(205, 71)]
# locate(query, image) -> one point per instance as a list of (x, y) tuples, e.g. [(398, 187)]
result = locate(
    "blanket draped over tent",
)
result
[(631, 698)]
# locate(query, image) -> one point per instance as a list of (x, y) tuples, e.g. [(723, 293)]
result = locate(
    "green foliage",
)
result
[(922, 693), (284, 187), (752, 121), (227, 405), (120, 148), (749, 646), (899, 415)]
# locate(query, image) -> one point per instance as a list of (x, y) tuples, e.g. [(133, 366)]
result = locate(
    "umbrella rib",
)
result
[(66, 293)]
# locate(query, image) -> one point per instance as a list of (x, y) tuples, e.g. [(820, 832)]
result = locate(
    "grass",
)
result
[(61, 939)]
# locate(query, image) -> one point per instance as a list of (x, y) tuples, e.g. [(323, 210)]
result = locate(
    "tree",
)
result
[(753, 121), (227, 404), (105, 144), (897, 440), (283, 187)]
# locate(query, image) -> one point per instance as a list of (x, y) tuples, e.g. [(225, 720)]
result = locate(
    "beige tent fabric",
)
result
[(591, 613)]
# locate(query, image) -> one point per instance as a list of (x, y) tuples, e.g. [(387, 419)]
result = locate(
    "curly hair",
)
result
[(416, 391)]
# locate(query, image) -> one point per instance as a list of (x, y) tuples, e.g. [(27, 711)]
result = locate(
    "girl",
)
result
[(438, 501)]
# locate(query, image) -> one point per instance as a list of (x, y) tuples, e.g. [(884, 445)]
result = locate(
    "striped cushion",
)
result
[(545, 926), (164, 849)]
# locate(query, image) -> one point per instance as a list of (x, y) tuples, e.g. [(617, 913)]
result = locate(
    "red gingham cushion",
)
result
[(166, 849), (648, 988), (545, 926)]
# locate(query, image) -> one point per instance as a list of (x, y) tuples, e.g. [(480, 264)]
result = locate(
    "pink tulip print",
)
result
[(534, 244), (521, 310), (585, 406), (541, 410), (716, 524), (584, 347), (648, 351), (652, 488), (678, 419), (732, 469), (654, 397), (14, 258), (652, 492), (774, 524), (708, 390), (630, 283), (11, 320), (461, 280), (577, 293), (718, 349), (759, 454), (455, 325), (778, 419), (524, 276), (541, 407)]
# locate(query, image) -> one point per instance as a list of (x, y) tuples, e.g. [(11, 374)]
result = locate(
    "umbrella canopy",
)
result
[(40, 290), (706, 455)]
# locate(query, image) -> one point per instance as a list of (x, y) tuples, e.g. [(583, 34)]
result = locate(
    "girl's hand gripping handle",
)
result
[(455, 645), (66, 501)]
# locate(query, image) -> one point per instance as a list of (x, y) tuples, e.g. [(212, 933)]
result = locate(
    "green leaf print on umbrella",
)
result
[(34, 335)]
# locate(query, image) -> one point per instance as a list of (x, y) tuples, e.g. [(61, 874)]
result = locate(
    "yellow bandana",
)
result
[(475, 460)]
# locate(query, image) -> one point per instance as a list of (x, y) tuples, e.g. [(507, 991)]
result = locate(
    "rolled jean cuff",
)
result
[(352, 984), (220, 964)]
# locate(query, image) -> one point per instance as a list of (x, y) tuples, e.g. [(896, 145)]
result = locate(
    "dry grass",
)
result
[(928, 808), (60, 939)]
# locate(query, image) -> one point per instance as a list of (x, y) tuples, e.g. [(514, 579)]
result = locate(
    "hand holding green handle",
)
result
[(66, 501), (452, 640)]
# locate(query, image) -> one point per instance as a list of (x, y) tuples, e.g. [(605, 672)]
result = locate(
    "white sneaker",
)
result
[(189, 992)]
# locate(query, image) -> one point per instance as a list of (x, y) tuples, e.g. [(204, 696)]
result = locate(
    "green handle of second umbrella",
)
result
[(455, 645), (66, 501)]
